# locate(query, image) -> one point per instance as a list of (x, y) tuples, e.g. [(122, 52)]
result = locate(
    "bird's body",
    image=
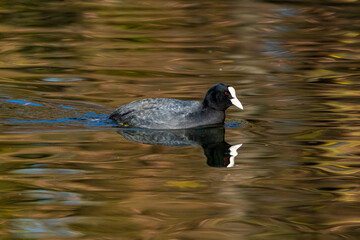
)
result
[(167, 113)]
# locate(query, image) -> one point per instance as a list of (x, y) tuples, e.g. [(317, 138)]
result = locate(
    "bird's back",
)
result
[(157, 113)]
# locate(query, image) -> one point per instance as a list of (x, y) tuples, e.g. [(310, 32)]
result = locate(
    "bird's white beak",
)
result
[(234, 99)]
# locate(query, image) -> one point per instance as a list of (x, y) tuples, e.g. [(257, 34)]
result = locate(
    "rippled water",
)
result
[(287, 167)]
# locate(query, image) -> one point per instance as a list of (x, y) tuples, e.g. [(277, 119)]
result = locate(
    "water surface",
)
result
[(69, 173)]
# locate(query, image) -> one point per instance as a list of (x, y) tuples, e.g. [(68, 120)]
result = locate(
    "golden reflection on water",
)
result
[(67, 173)]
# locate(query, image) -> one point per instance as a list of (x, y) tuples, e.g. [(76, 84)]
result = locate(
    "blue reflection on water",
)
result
[(42, 228), (86, 119), (66, 107), (233, 125), (55, 79), (47, 171), (23, 102), (288, 11), (89, 119), (27, 103)]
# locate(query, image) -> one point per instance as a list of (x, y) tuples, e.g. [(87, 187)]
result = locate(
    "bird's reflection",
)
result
[(218, 152)]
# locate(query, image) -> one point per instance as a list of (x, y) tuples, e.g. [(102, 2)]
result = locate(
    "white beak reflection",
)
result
[(233, 153)]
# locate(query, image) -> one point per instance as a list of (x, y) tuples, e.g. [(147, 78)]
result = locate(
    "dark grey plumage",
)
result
[(167, 113)]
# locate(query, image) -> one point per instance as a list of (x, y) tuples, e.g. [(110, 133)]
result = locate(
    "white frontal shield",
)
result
[(234, 99)]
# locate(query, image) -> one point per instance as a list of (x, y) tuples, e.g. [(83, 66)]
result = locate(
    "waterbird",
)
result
[(169, 113)]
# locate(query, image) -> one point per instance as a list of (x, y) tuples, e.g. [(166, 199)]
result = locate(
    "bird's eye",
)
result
[(226, 93)]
